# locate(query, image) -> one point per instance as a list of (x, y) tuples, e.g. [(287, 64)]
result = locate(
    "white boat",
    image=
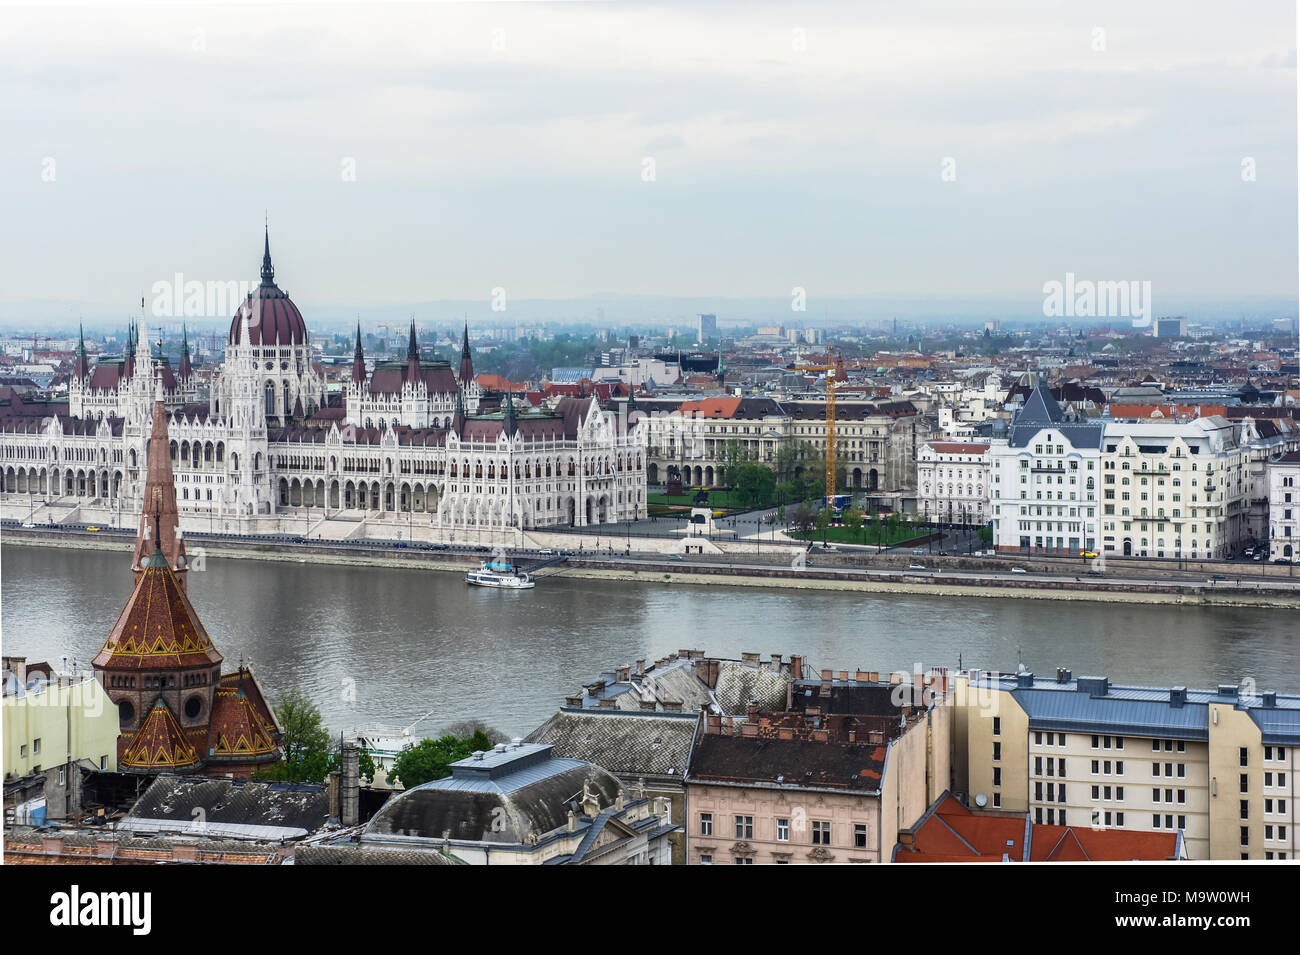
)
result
[(503, 576)]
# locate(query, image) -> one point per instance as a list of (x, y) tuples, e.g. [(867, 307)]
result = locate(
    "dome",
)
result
[(272, 317), (506, 796)]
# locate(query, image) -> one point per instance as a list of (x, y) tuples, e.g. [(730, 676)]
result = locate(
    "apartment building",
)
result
[(1044, 493), (1174, 488), (1216, 765), (952, 482), (832, 779), (1284, 506)]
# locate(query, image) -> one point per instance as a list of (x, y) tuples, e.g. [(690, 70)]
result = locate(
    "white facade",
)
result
[(1284, 507), (953, 482)]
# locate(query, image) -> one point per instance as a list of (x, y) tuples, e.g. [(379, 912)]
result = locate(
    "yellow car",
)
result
[(1086, 553), (92, 528)]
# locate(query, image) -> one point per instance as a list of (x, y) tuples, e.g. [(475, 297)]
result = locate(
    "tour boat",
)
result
[(496, 574)]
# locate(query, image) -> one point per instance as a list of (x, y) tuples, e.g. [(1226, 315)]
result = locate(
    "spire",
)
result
[(358, 360), (83, 366), (185, 368), (508, 423), (458, 419), (466, 361), (412, 358), (268, 271), (160, 506)]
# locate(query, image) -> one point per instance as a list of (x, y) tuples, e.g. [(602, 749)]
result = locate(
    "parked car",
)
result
[(1087, 554), (916, 566), (28, 524), (1019, 570), (95, 529), (675, 557), (1259, 555)]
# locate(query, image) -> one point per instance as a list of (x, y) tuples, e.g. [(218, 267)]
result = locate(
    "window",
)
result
[(744, 827), (997, 775), (997, 751), (821, 833), (36, 747), (860, 835), (783, 830), (706, 860), (706, 823), (1244, 756), (997, 726), (1245, 835), (745, 860)]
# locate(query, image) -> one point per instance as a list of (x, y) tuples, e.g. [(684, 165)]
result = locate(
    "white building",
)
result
[(1173, 488), (1044, 492), (408, 444), (1284, 506), (952, 482)]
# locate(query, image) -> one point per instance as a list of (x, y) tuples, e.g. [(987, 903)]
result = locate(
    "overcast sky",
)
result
[(505, 146)]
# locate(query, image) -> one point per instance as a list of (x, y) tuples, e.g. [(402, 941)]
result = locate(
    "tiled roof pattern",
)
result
[(626, 744), (158, 627)]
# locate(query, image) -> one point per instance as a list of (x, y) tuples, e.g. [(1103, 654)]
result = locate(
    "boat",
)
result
[(501, 575)]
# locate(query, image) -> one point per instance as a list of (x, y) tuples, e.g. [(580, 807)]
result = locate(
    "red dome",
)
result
[(272, 318)]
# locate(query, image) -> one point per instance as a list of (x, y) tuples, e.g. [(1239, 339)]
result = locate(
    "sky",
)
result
[(421, 152)]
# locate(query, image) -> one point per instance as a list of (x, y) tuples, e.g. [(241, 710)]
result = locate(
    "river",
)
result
[(387, 645)]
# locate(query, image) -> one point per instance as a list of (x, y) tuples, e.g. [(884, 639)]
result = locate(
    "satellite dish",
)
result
[(981, 800)]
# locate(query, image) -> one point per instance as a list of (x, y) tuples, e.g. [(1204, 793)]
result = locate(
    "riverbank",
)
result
[(1114, 589)]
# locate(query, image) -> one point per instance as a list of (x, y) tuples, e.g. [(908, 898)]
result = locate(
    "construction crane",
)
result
[(834, 367)]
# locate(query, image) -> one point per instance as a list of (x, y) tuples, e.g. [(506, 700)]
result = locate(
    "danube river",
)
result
[(388, 645)]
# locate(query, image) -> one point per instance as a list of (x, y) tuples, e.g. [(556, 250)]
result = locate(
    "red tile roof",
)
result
[(952, 832)]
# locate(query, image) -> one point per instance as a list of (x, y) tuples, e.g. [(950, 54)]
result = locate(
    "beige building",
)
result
[(51, 719), (814, 784), (952, 482), (876, 442), (1217, 765), (1172, 488)]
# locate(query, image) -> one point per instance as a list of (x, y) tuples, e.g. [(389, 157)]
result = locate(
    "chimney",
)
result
[(607, 703), (1228, 690), (752, 712), (640, 666), (1025, 678), (1177, 696), (776, 663), (673, 706), (647, 704), (1092, 685), (844, 676), (796, 666), (623, 674), (862, 676), (573, 701), (750, 659), (1270, 698), (350, 785), (828, 675)]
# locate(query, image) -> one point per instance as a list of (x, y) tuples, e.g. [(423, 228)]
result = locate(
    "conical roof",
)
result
[(159, 745), (158, 627), (160, 504)]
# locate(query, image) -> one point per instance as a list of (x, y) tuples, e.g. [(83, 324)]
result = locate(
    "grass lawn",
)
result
[(719, 499), (866, 535)]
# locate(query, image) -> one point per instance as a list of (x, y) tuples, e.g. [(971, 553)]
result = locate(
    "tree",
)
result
[(780, 513), (305, 744), (823, 519), (431, 759), (803, 518), (731, 458), (854, 519), (468, 728), (754, 482)]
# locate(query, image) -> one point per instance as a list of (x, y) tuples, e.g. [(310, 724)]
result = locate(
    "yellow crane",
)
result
[(834, 368)]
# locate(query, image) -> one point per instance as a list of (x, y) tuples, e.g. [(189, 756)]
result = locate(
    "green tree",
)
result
[(305, 743), (731, 458), (780, 513), (803, 518), (823, 519), (429, 759), (854, 519), (754, 482)]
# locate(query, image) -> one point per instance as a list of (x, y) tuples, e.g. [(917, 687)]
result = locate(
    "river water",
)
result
[(388, 645)]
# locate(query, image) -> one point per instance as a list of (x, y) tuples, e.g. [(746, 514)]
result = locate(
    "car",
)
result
[(918, 552), (916, 566), (1248, 552), (1276, 560), (546, 551), (1087, 553), (675, 557), (1019, 570), (1214, 577), (94, 529), (1259, 555), (1228, 556), (28, 524), (1095, 573)]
